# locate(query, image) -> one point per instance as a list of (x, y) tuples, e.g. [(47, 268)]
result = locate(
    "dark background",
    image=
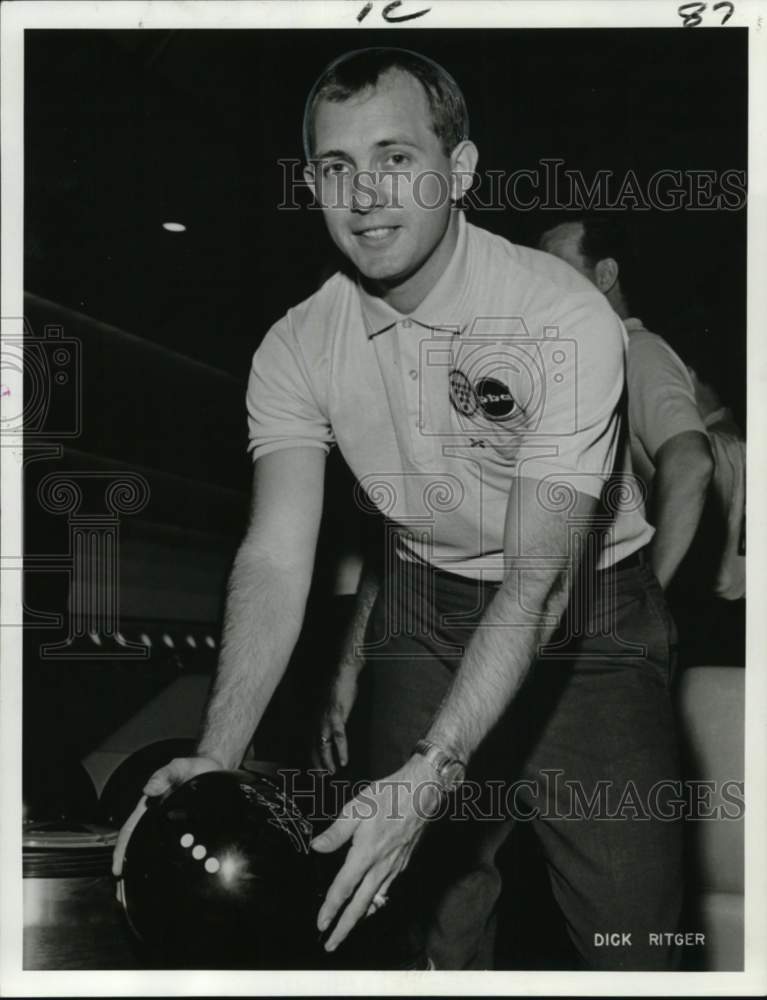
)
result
[(128, 129)]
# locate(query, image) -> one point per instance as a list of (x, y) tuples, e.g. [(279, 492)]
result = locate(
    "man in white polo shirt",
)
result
[(473, 388)]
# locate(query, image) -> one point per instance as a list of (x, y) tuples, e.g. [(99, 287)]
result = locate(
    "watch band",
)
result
[(449, 769)]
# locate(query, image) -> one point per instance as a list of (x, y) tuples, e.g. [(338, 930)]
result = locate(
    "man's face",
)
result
[(382, 178), (564, 242)]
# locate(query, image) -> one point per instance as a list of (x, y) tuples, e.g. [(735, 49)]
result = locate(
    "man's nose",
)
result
[(366, 193)]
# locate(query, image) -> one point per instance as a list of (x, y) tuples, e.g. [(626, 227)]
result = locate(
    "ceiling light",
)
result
[(174, 227)]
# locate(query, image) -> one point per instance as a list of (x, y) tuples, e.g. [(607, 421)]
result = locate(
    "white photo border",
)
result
[(455, 14)]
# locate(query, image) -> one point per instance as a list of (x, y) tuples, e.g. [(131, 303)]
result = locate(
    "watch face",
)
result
[(450, 770), (453, 773)]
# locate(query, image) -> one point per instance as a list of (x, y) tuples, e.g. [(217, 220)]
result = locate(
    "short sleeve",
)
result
[(283, 409), (578, 432), (661, 393)]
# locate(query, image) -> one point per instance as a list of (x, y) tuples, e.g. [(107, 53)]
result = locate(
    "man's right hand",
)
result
[(331, 747), (178, 771)]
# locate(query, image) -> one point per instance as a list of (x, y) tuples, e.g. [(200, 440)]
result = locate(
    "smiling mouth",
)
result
[(377, 234)]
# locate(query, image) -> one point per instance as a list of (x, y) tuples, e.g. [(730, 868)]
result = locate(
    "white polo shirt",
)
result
[(512, 365)]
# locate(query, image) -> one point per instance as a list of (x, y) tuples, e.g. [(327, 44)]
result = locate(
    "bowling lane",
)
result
[(78, 783), (71, 917)]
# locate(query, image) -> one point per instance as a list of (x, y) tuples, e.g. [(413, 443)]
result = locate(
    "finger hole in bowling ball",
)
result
[(219, 874)]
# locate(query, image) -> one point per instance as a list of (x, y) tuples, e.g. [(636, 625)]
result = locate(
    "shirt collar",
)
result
[(443, 307)]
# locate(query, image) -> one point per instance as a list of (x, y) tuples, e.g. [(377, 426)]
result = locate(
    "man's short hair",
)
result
[(603, 236), (354, 72), (608, 236)]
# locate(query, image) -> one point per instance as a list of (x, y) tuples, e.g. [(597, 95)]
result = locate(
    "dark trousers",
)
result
[(579, 754)]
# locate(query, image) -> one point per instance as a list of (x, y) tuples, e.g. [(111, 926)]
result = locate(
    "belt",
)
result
[(633, 561)]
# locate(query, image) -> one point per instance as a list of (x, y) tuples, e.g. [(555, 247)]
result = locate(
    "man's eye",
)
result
[(397, 159), (335, 169)]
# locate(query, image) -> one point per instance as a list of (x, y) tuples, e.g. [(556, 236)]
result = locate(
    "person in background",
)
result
[(728, 488), (708, 594), (670, 448)]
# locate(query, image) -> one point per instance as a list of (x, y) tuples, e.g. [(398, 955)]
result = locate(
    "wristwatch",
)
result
[(450, 770)]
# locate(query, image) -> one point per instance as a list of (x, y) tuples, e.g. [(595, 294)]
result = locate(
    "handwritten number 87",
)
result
[(691, 12)]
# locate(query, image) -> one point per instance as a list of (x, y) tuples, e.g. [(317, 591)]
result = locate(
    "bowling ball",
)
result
[(218, 873), (123, 789)]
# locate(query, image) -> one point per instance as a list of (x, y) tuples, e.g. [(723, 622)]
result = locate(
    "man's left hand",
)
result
[(384, 823)]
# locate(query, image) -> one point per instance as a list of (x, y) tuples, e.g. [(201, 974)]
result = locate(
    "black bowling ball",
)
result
[(219, 874)]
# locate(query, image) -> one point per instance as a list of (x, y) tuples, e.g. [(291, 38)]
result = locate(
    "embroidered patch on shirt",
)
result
[(495, 399), (462, 395)]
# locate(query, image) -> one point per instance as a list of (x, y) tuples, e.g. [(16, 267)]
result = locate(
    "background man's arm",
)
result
[(342, 690), (683, 470), (665, 417)]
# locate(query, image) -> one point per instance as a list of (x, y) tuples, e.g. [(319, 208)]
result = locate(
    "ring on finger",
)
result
[(324, 740)]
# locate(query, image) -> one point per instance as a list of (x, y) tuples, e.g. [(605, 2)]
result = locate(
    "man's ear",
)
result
[(463, 163), (606, 274)]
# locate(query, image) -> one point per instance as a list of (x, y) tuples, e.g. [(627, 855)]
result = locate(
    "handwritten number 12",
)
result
[(388, 12)]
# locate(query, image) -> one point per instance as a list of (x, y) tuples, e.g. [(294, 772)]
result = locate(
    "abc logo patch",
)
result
[(494, 398), (489, 395)]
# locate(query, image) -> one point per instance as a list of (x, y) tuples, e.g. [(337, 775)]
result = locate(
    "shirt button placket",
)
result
[(411, 392), (421, 443)]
